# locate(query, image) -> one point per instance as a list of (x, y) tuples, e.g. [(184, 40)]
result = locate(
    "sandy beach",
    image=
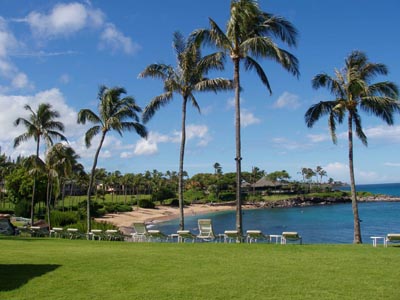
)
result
[(161, 213)]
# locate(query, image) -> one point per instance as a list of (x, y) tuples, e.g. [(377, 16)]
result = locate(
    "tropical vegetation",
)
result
[(354, 92), (115, 113)]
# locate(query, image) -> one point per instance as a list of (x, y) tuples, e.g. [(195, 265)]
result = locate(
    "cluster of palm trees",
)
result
[(250, 34)]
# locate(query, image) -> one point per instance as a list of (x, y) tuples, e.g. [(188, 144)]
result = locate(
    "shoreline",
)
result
[(166, 213)]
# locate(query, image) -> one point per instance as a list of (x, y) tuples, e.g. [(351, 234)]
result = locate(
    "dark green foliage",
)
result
[(23, 208), (194, 195), (144, 203), (6, 211), (63, 218), (162, 194)]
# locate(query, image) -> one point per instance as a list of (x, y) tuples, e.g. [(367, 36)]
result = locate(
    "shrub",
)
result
[(162, 194), (63, 218), (143, 203)]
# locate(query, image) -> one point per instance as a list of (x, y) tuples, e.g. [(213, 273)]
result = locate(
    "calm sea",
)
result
[(317, 224)]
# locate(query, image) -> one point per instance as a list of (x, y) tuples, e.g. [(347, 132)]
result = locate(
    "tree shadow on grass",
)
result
[(14, 276)]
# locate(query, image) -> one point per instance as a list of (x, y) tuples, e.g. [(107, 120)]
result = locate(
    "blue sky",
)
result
[(61, 51)]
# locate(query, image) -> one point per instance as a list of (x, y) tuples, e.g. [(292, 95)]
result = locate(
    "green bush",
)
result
[(63, 218), (162, 194), (144, 203), (194, 195), (7, 211), (22, 208)]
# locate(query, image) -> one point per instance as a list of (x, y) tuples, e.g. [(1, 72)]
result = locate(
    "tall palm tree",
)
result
[(249, 35), (41, 124), (187, 78), (354, 92), (60, 163), (115, 113)]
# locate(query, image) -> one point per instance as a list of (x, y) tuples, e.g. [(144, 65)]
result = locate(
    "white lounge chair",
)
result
[(141, 234), (206, 232), (185, 235), (255, 236), (156, 235), (392, 238), (291, 236), (232, 236)]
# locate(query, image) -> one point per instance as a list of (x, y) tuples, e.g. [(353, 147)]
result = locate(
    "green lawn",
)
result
[(77, 269)]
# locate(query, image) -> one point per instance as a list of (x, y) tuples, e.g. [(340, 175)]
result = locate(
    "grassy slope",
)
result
[(65, 269)]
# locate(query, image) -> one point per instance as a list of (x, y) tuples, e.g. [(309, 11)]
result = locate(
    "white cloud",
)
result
[(287, 100), (13, 107), (316, 138), (64, 78), (149, 146), (382, 132), (68, 19), (230, 103), (284, 143), (337, 171), (112, 38), (248, 118), (391, 164), (8, 70), (64, 20)]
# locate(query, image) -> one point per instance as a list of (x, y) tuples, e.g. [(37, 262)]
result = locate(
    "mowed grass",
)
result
[(78, 269)]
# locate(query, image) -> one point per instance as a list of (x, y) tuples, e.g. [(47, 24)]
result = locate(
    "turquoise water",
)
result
[(316, 224), (390, 189)]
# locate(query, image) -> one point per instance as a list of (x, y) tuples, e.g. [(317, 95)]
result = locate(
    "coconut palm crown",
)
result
[(250, 35), (186, 79), (354, 92), (115, 114)]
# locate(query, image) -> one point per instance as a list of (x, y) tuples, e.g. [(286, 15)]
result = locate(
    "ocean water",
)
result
[(320, 224), (390, 189)]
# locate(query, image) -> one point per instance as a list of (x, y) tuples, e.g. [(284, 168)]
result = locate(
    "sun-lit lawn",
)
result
[(78, 269)]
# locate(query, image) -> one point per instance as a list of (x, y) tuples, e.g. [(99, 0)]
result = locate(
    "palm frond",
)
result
[(194, 103), (215, 85), (161, 71), (316, 111), (250, 64), (360, 133), (382, 107), (280, 28), (88, 115), (155, 104), (90, 134), (333, 85), (385, 88)]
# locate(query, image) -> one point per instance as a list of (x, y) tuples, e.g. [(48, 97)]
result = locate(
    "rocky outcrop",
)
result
[(6, 227)]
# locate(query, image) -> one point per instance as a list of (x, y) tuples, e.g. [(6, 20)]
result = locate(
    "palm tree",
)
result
[(186, 79), (250, 34), (354, 92), (115, 113), (60, 163), (40, 124)]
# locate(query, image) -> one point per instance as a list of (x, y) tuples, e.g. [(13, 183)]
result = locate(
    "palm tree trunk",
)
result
[(48, 201), (34, 185), (357, 229), (238, 157), (181, 157), (96, 156)]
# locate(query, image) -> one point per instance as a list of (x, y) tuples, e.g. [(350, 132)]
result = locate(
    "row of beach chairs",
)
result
[(72, 233), (207, 234)]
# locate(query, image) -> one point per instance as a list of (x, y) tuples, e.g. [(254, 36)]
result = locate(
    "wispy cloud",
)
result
[(65, 20), (112, 38), (247, 118), (287, 100), (149, 146)]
